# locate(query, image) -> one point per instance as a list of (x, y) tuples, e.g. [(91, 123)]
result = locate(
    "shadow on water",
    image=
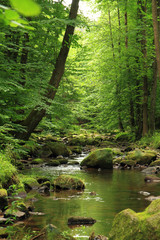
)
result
[(115, 190)]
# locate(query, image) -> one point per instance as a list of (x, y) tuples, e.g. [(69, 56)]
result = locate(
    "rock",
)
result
[(41, 180), (65, 182), (54, 149), (152, 179), (3, 233), (53, 163), (30, 183), (80, 221), (144, 193), (73, 163), (63, 161), (131, 225), (99, 237), (37, 161), (37, 213), (142, 156), (152, 198), (59, 157), (3, 199), (127, 163), (76, 149), (93, 193), (101, 158), (15, 214), (151, 170), (155, 163), (3, 220)]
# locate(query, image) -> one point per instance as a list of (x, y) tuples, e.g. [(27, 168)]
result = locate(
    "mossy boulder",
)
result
[(101, 158), (65, 182), (76, 149), (117, 160), (155, 163), (131, 225), (127, 163), (29, 183), (53, 163), (54, 149), (37, 161), (142, 156), (3, 199)]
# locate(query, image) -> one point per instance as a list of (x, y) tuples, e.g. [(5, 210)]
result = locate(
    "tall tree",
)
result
[(36, 115), (156, 33)]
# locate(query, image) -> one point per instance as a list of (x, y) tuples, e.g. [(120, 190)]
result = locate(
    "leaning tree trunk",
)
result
[(36, 115)]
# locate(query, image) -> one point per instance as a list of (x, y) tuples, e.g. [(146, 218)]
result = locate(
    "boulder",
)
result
[(155, 163), (151, 170), (142, 156), (101, 158), (98, 237), (53, 163), (37, 161), (131, 225), (151, 178), (65, 182), (127, 163)]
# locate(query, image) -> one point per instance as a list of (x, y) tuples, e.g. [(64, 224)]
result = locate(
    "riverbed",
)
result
[(114, 190)]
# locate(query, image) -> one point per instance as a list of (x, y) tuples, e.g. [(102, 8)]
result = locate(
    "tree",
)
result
[(36, 115)]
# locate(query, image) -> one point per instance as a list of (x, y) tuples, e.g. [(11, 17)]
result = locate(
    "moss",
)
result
[(37, 161), (63, 161), (8, 172), (117, 160), (130, 225), (54, 163), (68, 182), (3, 193), (101, 158), (128, 163), (155, 163), (141, 156)]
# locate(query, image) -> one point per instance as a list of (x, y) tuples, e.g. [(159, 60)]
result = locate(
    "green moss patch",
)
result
[(65, 182), (130, 225), (101, 158)]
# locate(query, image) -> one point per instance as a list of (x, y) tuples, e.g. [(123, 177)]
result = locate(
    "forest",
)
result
[(77, 78)]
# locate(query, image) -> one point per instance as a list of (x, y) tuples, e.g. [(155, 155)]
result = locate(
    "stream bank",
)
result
[(117, 184)]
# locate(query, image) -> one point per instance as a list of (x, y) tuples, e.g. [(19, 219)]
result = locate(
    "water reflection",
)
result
[(115, 190)]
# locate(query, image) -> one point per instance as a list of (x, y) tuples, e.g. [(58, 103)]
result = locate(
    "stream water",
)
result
[(115, 190)]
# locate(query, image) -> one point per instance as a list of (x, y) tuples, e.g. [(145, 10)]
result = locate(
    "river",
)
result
[(115, 190)]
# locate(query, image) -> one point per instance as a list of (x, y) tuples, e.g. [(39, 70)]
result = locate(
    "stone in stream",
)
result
[(152, 178), (151, 170), (98, 237), (129, 225), (100, 158), (80, 221), (66, 182)]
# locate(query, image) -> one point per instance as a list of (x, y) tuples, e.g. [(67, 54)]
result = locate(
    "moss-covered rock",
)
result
[(117, 160), (37, 161), (3, 233), (76, 149), (3, 199), (65, 182), (29, 182), (8, 173), (54, 149), (53, 163), (129, 163), (130, 225), (63, 161), (155, 163), (101, 158), (142, 156)]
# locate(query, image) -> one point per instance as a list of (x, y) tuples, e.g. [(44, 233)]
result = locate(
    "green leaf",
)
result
[(26, 7), (11, 14)]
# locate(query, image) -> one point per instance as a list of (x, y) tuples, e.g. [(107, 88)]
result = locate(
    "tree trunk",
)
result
[(118, 98), (156, 34), (153, 99), (36, 115)]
